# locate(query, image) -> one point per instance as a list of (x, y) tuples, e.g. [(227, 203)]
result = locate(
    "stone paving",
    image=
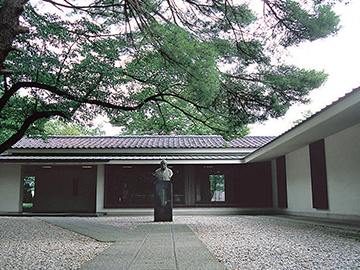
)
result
[(147, 246)]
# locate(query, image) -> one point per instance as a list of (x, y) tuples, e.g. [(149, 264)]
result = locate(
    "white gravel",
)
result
[(263, 242), (269, 243), (29, 243), (239, 242)]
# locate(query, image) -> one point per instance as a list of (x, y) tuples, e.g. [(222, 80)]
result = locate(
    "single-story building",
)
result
[(313, 169)]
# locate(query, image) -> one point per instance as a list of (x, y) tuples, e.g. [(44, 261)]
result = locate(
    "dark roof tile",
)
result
[(123, 142)]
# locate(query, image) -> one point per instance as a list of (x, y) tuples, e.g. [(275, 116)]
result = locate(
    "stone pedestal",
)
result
[(163, 203)]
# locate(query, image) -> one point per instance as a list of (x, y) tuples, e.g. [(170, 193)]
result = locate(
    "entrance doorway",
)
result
[(217, 188), (28, 193)]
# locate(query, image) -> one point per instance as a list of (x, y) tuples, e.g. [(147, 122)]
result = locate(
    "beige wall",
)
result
[(343, 171), (10, 188)]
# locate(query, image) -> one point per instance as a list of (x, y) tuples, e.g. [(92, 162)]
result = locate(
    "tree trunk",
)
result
[(9, 25)]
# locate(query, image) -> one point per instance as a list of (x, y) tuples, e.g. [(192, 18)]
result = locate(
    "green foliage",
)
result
[(29, 189), (157, 67), (28, 207), (13, 115), (301, 24), (58, 127), (305, 115), (217, 183)]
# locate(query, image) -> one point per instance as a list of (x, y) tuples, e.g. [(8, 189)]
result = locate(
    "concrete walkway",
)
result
[(148, 246)]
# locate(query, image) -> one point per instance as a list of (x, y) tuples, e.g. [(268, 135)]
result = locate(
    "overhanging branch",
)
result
[(68, 96), (28, 121)]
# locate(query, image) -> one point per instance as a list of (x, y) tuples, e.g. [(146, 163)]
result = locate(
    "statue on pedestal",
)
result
[(163, 193)]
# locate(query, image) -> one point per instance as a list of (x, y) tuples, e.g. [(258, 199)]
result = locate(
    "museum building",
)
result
[(312, 169)]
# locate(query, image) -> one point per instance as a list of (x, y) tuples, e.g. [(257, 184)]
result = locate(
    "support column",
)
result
[(100, 188)]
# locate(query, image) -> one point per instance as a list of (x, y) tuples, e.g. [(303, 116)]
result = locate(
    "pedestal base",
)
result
[(163, 204)]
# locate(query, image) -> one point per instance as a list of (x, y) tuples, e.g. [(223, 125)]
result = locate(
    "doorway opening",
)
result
[(217, 188), (28, 194)]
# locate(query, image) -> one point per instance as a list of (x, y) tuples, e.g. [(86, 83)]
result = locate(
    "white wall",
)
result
[(342, 153), (299, 180), (10, 188), (343, 171), (100, 188)]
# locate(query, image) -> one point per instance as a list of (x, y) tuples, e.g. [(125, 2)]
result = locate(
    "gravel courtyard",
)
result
[(239, 242)]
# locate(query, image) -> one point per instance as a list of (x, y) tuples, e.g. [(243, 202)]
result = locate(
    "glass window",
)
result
[(210, 185), (217, 188), (178, 184), (128, 185), (133, 185)]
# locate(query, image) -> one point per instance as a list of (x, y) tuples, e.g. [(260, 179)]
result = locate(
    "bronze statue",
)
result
[(163, 173)]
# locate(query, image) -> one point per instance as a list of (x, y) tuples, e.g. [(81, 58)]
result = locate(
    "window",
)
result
[(134, 185), (217, 188), (210, 185)]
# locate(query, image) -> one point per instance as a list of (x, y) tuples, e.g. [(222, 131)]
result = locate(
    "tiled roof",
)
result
[(10, 158), (126, 142)]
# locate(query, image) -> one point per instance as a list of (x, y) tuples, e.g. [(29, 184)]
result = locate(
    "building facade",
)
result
[(109, 174), (313, 169)]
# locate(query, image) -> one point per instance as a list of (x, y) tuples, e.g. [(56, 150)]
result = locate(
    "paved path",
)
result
[(148, 246)]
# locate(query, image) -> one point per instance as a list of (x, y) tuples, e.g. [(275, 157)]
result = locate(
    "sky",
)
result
[(338, 56)]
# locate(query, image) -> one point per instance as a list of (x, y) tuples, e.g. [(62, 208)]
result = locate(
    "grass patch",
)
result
[(27, 207)]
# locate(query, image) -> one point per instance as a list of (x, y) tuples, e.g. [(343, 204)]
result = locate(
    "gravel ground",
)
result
[(29, 243), (269, 243), (239, 242), (262, 242)]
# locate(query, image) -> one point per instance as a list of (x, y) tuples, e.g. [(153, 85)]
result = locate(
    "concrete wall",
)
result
[(342, 152), (299, 180), (343, 171), (10, 188)]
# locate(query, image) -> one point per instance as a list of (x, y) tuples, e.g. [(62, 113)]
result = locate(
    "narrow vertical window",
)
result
[(281, 182), (318, 175)]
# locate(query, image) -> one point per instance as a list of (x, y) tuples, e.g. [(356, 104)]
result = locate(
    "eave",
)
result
[(134, 151), (338, 116), (145, 159)]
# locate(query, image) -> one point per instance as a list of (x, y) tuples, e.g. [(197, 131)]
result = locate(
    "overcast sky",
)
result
[(338, 56)]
